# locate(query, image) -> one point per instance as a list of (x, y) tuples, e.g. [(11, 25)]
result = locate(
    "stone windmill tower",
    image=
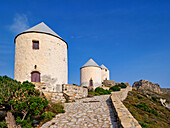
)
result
[(90, 74), (105, 73), (41, 56)]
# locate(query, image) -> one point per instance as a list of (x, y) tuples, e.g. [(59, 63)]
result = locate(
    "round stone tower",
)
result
[(105, 73), (90, 74), (41, 56)]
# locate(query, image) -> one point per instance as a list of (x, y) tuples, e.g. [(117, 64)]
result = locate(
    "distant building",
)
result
[(41, 56), (105, 73), (91, 74)]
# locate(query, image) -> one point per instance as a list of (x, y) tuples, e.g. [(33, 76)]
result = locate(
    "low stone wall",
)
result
[(109, 82), (125, 117), (123, 93), (56, 97), (62, 92), (74, 91)]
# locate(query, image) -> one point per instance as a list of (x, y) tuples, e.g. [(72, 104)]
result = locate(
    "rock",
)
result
[(165, 90), (145, 85)]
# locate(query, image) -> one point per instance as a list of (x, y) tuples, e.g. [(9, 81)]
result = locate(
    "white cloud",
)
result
[(20, 23)]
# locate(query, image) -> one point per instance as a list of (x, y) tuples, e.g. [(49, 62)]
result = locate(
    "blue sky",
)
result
[(130, 37)]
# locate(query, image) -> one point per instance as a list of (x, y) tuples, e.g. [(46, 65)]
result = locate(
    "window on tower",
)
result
[(35, 44)]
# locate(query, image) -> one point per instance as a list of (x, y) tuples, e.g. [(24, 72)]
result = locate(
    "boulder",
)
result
[(145, 85)]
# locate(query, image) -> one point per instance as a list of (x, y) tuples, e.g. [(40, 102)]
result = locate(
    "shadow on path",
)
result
[(113, 115)]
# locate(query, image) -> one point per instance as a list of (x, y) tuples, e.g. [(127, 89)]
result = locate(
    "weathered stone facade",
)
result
[(105, 73), (75, 91), (50, 60), (64, 92), (90, 73), (109, 82)]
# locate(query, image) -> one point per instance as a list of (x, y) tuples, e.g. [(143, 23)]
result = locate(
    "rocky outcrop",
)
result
[(145, 85), (165, 90)]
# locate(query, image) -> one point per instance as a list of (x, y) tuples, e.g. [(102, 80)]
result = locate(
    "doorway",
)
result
[(35, 76)]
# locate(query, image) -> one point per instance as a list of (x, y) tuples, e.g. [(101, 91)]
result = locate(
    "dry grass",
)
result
[(148, 110)]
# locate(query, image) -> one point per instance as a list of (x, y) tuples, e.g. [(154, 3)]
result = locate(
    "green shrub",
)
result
[(91, 93), (22, 98), (102, 91), (24, 123), (139, 97), (143, 106), (47, 116), (56, 108), (3, 124), (60, 108), (144, 125), (114, 88), (154, 112), (154, 99), (122, 85)]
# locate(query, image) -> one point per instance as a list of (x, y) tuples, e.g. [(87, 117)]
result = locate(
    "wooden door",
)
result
[(35, 77), (91, 82)]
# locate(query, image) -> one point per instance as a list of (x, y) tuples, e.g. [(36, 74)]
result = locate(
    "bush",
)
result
[(114, 88), (24, 123), (47, 116), (3, 124), (144, 125), (60, 108), (56, 108), (144, 107), (122, 85), (102, 91), (139, 97), (22, 99), (91, 93), (154, 99)]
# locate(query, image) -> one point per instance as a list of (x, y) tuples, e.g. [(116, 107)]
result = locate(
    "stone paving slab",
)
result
[(95, 112)]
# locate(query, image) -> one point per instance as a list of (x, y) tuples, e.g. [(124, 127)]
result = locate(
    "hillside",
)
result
[(147, 109)]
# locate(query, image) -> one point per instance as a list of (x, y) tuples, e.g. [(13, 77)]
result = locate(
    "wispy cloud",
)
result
[(20, 23)]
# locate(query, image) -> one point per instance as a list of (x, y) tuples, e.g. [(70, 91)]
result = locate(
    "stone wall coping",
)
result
[(125, 117), (73, 85), (38, 82)]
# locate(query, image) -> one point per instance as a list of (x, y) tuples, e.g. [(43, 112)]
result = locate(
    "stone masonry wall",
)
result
[(105, 73), (50, 59), (74, 91), (68, 92), (125, 117), (87, 73)]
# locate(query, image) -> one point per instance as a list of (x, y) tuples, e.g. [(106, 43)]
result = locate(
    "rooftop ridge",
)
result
[(90, 63), (42, 27), (103, 67)]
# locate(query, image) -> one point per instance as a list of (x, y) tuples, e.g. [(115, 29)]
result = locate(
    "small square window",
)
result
[(35, 44)]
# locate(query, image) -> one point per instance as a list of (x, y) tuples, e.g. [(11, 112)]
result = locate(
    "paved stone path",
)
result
[(95, 112)]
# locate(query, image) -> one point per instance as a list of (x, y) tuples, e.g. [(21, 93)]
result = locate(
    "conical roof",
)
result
[(90, 63), (42, 27), (103, 67)]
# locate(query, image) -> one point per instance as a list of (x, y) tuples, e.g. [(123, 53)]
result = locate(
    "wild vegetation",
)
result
[(100, 91), (28, 105), (147, 109)]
